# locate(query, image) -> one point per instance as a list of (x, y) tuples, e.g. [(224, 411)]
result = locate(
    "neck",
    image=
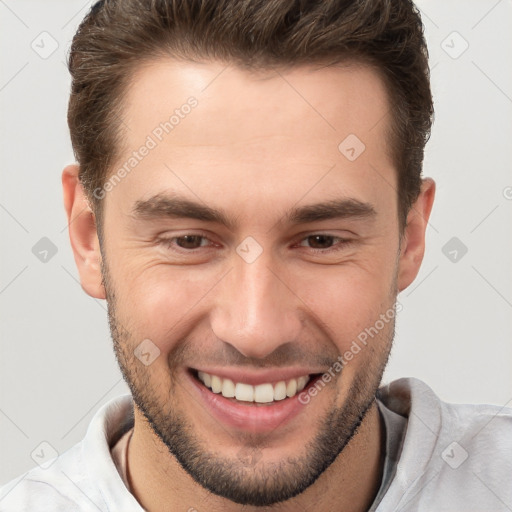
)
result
[(159, 483)]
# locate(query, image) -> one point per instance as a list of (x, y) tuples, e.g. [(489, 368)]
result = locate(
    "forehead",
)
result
[(268, 132), (348, 96)]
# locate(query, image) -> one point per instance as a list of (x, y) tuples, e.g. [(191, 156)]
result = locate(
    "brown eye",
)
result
[(189, 241), (323, 243), (320, 241)]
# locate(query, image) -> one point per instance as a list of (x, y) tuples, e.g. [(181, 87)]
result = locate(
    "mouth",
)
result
[(263, 394), (260, 403)]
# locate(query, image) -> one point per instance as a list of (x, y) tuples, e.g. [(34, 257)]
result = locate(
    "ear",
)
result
[(82, 233), (413, 240)]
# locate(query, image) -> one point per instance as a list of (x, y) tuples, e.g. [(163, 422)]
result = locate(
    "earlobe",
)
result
[(413, 241), (82, 233)]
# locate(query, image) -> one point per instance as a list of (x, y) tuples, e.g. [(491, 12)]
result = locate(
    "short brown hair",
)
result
[(118, 35)]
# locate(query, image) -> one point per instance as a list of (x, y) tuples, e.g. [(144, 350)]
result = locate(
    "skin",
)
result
[(256, 146)]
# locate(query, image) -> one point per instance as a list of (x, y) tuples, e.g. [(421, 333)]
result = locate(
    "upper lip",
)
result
[(255, 377)]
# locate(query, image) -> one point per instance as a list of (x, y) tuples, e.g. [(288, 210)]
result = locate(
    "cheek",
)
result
[(162, 302), (348, 298), (356, 307)]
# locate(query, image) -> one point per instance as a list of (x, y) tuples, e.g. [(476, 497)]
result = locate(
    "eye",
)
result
[(323, 243), (188, 242)]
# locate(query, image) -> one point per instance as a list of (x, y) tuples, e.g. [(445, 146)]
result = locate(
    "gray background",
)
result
[(56, 362)]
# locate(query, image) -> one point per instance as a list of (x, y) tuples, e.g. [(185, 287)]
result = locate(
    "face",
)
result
[(245, 251)]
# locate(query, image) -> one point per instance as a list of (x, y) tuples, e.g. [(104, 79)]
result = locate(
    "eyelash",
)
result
[(343, 243)]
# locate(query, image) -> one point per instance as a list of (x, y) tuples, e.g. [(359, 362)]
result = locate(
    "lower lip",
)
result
[(251, 417)]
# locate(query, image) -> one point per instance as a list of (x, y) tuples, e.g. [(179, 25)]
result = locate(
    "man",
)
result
[(248, 199)]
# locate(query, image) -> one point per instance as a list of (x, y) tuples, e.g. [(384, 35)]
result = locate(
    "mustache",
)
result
[(189, 354)]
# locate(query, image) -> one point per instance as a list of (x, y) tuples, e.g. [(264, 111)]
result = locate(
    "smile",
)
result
[(264, 393)]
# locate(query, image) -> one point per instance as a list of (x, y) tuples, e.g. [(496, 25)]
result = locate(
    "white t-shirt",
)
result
[(451, 458)]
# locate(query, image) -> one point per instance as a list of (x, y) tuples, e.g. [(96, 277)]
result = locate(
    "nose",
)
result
[(256, 312)]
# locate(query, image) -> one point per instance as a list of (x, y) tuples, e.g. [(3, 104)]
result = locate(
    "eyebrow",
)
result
[(165, 206)]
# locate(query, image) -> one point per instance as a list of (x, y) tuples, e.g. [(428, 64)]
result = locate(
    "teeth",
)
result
[(216, 384), (291, 388), (301, 383), (244, 392), (280, 390), (228, 388), (262, 393), (206, 378)]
